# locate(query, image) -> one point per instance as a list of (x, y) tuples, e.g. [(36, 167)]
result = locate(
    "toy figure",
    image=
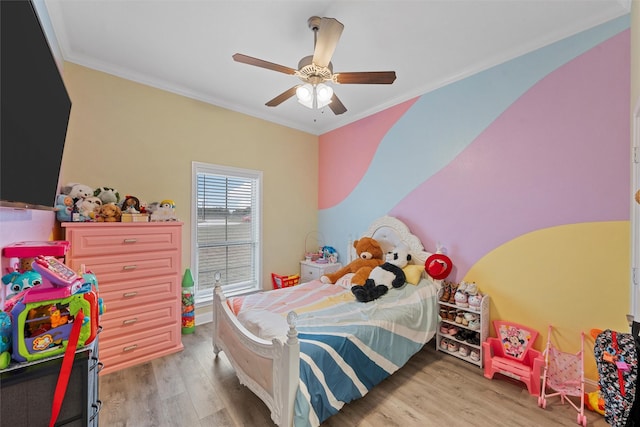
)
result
[(131, 204)]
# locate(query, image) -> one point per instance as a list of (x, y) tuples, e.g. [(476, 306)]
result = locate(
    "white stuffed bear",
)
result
[(77, 191), (385, 276)]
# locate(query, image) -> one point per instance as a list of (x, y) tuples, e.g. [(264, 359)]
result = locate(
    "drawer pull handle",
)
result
[(129, 267), (130, 321), (130, 348), (100, 366), (130, 294), (128, 241)]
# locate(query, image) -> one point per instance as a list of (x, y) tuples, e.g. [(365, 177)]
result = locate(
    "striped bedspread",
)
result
[(346, 347)]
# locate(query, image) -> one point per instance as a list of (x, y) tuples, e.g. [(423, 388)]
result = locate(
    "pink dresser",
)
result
[(138, 266)]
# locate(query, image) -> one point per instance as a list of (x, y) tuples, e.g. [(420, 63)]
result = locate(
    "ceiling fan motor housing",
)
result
[(312, 73)]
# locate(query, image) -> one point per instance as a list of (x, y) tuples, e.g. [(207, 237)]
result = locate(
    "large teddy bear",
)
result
[(369, 256), (384, 277)]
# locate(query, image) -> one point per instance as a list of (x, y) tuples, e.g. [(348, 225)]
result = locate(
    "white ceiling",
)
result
[(185, 46)]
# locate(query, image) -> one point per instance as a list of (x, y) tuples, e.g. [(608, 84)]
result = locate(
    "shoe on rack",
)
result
[(473, 338), (461, 298), (452, 295), (444, 328), (459, 317), (443, 313), (475, 301), (453, 346), (472, 289), (464, 350), (451, 315), (446, 292), (452, 330), (444, 343), (474, 355), (474, 324)]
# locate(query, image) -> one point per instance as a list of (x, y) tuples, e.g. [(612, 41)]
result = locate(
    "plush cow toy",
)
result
[(384, 277)]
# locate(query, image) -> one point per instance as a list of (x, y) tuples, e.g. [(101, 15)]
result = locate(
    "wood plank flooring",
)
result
[(193, 389)]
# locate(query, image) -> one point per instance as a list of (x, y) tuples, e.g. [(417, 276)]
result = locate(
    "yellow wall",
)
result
[(582, 288), (142, 140)]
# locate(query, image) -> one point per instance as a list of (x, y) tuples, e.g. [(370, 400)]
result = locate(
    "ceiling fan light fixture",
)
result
[(305, 94), (323, 94)]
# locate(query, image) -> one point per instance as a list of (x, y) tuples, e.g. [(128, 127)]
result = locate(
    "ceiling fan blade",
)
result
[(238, 57), (336, 105), (366, 77), (329, 33), (282, 97)]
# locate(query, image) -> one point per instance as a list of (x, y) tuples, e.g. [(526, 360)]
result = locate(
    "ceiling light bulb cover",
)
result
[(305, 94), (324, 93)]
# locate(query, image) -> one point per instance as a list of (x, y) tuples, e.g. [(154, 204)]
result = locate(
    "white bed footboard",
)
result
[(270, 369)]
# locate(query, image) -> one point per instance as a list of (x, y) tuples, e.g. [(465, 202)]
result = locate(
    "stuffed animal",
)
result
[(384, 277), (131, 204), (109, 212), (107, 195), (164, 211), (77, 191), (89, 207), (6, 333), (63, 207), (369, 256)]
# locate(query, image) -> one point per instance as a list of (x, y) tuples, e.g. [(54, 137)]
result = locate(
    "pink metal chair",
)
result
[(512, 354)]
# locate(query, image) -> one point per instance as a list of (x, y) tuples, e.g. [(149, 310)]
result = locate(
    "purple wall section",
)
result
[(553, 157)]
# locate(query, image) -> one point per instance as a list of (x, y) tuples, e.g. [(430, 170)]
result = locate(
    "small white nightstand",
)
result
[(310, 270)]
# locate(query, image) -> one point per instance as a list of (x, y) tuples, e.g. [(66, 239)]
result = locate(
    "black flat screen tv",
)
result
[(34, 110)]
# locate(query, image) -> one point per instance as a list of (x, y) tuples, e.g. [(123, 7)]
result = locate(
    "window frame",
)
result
[(197, 168)]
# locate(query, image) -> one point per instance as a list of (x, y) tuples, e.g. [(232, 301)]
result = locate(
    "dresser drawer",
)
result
[(106, 239), (127, 267), (135, 319), (138, 293), (132, 349)]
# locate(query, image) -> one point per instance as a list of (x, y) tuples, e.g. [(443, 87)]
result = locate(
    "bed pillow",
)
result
[(345, 281), (413, 273)]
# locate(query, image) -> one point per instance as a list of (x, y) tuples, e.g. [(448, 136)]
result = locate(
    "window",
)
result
[(225, 228)]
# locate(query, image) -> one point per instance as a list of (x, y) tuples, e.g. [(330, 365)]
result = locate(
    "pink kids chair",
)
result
[(511, 354)]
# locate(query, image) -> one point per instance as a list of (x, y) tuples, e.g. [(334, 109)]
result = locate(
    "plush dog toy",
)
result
[(109, 212), (369, 256), (384, 277)]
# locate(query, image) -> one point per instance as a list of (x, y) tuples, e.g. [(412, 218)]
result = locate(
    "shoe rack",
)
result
[(457, 335)]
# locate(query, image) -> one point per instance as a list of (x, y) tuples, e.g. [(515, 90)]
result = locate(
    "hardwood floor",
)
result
[(193, 389)]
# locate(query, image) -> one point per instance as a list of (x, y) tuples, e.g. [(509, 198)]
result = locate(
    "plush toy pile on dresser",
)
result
[(81, 203)]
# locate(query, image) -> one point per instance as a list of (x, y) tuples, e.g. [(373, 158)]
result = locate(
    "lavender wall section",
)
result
[(536, 142)]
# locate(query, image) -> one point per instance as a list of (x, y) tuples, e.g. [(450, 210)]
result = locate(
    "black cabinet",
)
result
[(27, 390)]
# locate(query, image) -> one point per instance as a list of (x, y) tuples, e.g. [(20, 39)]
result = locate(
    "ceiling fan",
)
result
[(314, 70)]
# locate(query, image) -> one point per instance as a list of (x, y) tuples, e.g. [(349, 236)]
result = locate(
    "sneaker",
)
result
[(444, 343), (444, 328), (461, 299), (452, 330), (472, 289), (474, 355), (459, 317), (475, 301), (464, 350), (453, 346), (474, 324)]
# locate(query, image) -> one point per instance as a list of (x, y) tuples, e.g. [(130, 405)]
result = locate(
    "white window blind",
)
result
[(226, 233)]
